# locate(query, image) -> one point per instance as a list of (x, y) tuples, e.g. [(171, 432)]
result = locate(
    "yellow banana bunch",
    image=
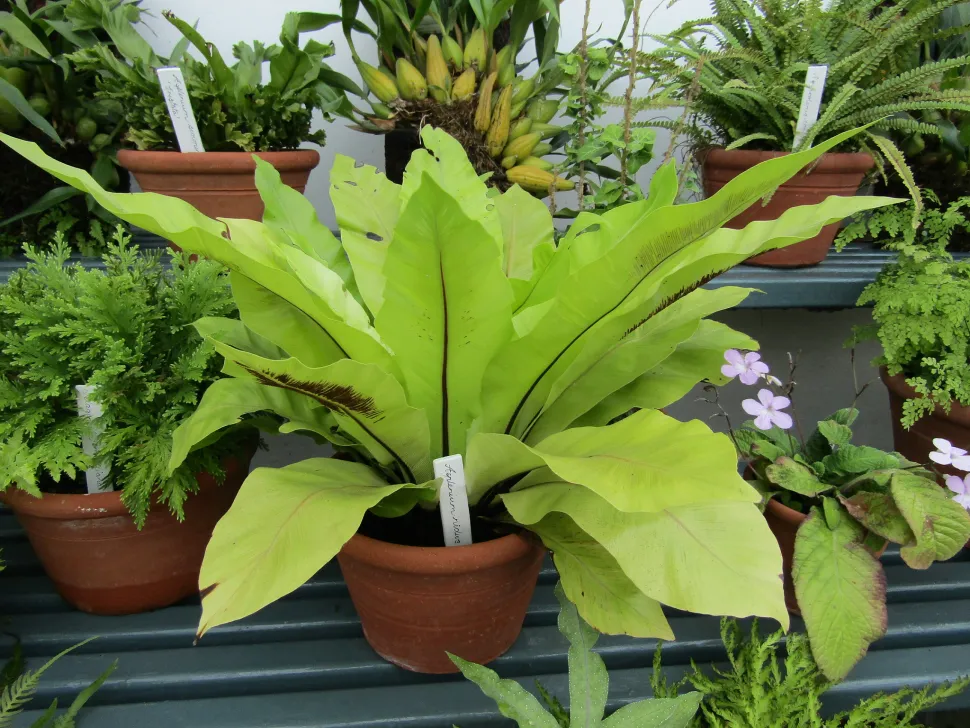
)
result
[(510, 112)]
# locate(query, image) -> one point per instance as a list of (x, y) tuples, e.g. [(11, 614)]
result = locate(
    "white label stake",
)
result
[(97, 476), (456, 521), (180, 109), (811, 101)]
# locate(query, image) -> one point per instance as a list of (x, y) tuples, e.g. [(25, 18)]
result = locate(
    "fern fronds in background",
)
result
[(762, 690)]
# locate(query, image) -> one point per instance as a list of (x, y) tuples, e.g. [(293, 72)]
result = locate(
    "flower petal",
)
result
[(963, 500), (956, 484), (729, 371), (782, 419), (779, 403), (758, 366), (749, 377), (766, 397), (942, 444), (961, 463), (957, 451), (752, 407), (763, 421), (940, 458), (733, 356), (751, 357)]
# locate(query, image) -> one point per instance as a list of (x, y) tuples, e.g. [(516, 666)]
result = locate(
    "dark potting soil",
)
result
[(421, 527), (64, 486)]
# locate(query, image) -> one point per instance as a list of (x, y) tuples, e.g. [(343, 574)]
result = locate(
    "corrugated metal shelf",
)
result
[(835, 283), (303, 662)]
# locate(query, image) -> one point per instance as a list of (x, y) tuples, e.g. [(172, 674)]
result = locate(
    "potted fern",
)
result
[(445, 323), (237, 113), (740, 75), (920, 305), (114, 529)]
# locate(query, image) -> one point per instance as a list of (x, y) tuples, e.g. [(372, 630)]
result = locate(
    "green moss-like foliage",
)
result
[(765, 689), (126, 330)]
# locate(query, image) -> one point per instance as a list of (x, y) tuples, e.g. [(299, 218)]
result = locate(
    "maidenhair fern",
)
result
[(764, 690), (741, 72), (128, 332), (920, 304)]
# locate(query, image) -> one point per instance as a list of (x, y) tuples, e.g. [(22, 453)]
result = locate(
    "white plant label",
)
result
[(97, 476), (180, 109), (456, 522), (811, 101)]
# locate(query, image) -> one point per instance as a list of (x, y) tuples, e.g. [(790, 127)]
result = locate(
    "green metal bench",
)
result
[(303, 661)]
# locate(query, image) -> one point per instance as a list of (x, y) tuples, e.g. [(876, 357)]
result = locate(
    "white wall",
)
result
[(224, 22)]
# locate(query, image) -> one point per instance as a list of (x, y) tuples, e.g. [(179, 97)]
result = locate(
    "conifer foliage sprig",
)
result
[(126, 330)]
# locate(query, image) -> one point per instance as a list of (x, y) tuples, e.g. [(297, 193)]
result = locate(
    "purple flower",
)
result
[(961, 488), (947, 454), (748, 367), (766, 410)]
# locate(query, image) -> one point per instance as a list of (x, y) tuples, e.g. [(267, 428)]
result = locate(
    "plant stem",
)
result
[(628, 96), (583, 99)]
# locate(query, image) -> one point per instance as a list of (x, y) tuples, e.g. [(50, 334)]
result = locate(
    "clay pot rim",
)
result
[(65, 506), (784, 513), (896, 383), (438, 560), (830, 162), (137, 161)]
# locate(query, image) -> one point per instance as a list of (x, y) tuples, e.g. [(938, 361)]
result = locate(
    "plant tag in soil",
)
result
[(811, 101), (180, 109), (97, 477), (456, 521)]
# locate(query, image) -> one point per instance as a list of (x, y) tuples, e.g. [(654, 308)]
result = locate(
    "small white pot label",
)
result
[(811, 101), (180, 109), (97, 477), (456, 521)]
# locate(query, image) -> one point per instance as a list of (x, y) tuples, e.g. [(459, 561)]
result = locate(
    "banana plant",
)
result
[(588, 686), (445, 320)]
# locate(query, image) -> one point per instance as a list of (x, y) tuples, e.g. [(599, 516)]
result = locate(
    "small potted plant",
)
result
[(445, 323), (456, 70), (740, 75), (114, 529), (833, 506), (920, 307), (236, 112)]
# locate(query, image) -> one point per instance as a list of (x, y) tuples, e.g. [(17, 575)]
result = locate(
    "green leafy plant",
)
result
[(856, 498), (445, 321), (740, 73), (126, 331), (234, 108), (466, 80), (588, 687), (763, 690), (20, 685), (920, 305), (44, 97)]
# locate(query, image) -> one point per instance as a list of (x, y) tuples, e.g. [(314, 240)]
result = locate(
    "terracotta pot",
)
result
[(100, 563), (835, 173), (415, 603), (218, 184), (784, 522), (916, 443)]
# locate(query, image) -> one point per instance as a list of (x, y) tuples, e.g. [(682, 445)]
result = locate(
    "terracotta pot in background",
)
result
[(784, 523), (416, 603), (916, 443), (836, 173), (218, 184), (100, 563)]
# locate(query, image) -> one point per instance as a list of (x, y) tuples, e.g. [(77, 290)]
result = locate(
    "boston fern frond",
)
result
[(741, 71)]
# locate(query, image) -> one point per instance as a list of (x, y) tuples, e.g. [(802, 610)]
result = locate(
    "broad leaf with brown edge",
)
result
[(940, 525)]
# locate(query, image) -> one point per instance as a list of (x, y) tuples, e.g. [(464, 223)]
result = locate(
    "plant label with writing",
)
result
[(180, 109), (456, 521), (97, 477), (811, 101)]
